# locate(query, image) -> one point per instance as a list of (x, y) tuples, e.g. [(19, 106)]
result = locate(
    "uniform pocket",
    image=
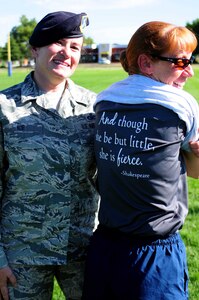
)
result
[(24, 146)]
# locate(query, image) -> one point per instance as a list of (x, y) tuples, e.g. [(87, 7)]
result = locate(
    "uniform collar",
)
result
[(31, 92)]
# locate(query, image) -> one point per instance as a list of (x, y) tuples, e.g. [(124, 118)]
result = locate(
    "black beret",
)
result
[(58, 25)]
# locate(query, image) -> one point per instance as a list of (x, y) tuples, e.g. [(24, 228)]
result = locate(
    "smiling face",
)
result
[(166, 71), (56, 62)]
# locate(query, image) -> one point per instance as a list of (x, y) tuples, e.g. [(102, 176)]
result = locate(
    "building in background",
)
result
[(102, 53)]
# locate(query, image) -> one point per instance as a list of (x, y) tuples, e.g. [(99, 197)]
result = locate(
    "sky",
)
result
[(111, 21)]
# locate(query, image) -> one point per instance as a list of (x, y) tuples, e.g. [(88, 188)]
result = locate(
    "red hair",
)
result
[(156, 38)]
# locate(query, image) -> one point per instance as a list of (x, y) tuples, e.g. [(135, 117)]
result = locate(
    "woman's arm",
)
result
[(192, 160)]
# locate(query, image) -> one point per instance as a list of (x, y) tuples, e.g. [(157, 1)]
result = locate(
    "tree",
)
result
[(19, 39), (3, 55), (88, 41), (194, 26)]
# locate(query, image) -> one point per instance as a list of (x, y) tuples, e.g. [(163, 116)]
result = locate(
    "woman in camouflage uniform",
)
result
[(48, 200)]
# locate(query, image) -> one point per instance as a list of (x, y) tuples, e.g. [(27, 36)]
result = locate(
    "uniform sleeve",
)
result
[(3, 260)]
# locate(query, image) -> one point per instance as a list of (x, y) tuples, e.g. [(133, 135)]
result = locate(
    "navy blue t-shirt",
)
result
[(141, 172)]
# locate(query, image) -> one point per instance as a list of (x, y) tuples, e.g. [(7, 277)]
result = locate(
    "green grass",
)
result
[(192, 85), (17, 76), (97, 77), (190, 230), (190, 236)]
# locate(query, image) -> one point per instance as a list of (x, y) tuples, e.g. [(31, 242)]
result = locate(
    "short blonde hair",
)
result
[(155, 38)]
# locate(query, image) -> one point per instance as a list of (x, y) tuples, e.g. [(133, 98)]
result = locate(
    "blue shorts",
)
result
[(120, 267)]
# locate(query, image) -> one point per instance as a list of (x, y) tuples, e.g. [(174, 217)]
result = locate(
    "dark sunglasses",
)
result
[(178, 62)]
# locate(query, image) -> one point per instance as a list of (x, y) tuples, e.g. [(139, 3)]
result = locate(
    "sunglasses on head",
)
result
[(178, 62)]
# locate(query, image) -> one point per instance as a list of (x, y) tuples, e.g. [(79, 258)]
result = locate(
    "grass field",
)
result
[(97, 77)]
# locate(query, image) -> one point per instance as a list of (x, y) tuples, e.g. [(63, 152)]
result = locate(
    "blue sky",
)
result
[(111, 21)]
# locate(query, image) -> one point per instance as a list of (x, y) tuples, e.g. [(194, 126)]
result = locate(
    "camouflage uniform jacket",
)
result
[(47, 197)]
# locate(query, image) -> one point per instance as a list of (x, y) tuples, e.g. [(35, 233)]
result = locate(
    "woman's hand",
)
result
[(6, 275), (195, 148)]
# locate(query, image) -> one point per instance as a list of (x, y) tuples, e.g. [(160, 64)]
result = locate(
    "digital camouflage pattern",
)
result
[(48, 199), (36, 282)]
